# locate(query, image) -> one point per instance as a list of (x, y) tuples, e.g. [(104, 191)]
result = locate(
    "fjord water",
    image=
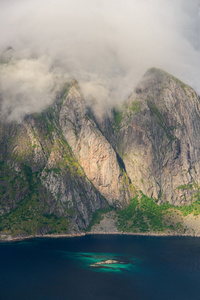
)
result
[(147, 268)]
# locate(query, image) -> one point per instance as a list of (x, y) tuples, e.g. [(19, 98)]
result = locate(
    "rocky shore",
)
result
[(9, 238)]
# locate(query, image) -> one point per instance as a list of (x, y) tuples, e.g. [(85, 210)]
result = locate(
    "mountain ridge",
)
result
[(62, 165)]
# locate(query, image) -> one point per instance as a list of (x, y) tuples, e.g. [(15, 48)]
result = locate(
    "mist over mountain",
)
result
[(63, 168), (107, 46), (99, 115)]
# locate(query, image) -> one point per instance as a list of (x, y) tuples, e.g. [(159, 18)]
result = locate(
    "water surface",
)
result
[(101, 267)]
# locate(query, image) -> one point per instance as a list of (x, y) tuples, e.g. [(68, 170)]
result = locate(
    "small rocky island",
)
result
[(105, 262), (109, 263)]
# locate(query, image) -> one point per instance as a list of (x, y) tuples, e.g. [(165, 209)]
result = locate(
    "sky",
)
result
[(107, 45)]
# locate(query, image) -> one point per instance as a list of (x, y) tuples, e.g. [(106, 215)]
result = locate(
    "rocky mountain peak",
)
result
[(65, 163), (158, 137)]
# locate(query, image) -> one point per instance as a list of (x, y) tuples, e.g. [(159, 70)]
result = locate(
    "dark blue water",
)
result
[(60, 269)]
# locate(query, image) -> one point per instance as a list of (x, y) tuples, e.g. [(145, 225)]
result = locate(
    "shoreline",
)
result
[(5, 238)]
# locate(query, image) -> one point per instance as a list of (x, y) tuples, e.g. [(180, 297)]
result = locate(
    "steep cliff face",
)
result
[(40, 173), (159, 138), (59, 167), (93, 151)]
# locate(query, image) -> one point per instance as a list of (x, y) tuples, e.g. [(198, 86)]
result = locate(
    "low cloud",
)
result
[(106, 45), (26, 86)]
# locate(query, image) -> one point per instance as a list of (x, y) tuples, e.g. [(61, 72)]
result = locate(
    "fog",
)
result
[(107, 45)]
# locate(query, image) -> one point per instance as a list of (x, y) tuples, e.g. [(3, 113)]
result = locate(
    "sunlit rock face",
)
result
[(67, 162), (93, 151), (59, 165), (159, 138), (41, 177)]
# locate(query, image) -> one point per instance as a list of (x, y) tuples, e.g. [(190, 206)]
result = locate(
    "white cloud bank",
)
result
[(106, 45)]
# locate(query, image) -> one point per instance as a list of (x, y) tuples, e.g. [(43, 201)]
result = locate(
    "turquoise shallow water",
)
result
[(144, 268), (98, 262)]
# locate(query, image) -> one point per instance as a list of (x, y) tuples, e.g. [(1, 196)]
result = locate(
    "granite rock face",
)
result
[(93, 151), (60, 166), (39, 169), (159, 138)]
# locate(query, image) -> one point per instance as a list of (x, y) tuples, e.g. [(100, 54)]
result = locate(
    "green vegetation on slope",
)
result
[(29, 215), (144, 214), (194, 207), (12, 186), (98, 216), (117, 119)]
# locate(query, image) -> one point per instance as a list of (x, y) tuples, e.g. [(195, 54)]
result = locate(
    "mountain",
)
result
[(159, 138), (63, 168)]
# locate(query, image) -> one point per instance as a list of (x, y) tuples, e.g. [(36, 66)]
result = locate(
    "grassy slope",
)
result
[(22, 194), (29, 215), (144, 215)]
